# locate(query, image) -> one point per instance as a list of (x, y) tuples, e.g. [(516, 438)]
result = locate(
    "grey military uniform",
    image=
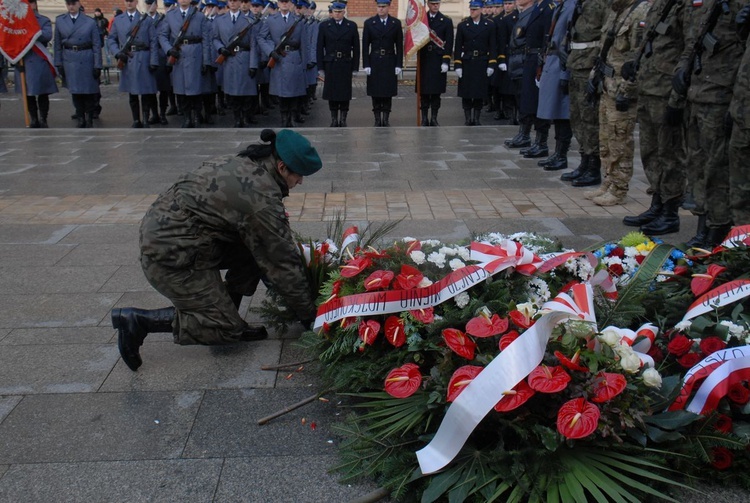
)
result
[(135, 76)]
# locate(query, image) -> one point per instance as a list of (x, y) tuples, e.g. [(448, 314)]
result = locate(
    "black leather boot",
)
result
[(378, 119), (386, 119), (468, 119), (667, 222), (477, 114), (523, 138), (342, 118), (89, 119), (560, 159), (701, 234), (651, 214), (238, 122), (146, 121), (81, 118), (425, 120), (716, 235), (133, 325), (334, 118), (593, 175), (433, 118), (576, 173), (34, 123), (539, 148)]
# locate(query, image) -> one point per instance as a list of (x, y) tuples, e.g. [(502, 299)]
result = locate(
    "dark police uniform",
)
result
[(474, 53), (432, 80), (338, 58)]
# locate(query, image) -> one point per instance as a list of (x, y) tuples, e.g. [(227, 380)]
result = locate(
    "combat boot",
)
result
[(238, 123), (651, 214), (342, 118), (378, 119), (81, 118), (386, 119), (576, 173), (701, 234), (667, 222), (560, 159), (523, 138), (425, 120), (433, 118), (608, 199), (591, 194), (539, 148), (593, 175), (468, 119), (334, 118), (477, 114), (34, 123), (133, 325), (716, 235), (89, 119), (145, 120)]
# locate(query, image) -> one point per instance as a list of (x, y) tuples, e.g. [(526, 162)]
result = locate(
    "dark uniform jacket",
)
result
[(505, 23), (431, 56), (475, 51), (383, 52), (533, 35), (338, 57)]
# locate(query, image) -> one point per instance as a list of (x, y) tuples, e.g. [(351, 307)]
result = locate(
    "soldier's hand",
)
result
[(121, 56), (398, 71), (680, 82), (252, 72), (212, 69), (622, 104), (310, 65), (275, 56), (673, 116), (96, 73), (152, 68), (225, 52), (368, 70), (565, 87), (175, 53), (490, 71), (322, 73), (262, 65), (591, 90), (354, 74), (743, 16), (444, 68), (628, 71), (728, 124), (204, 69), (502, 67), (459, 72)]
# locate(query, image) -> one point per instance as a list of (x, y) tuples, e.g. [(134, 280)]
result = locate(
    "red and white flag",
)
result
[(417, 28), (19, 29)]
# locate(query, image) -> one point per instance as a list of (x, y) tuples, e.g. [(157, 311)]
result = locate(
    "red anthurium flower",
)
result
[(516, 397), (701, 283), (413, 246), (403, 381), (394, 331), (506, 339), (486, 326), (378, 280), (548, 379), (461, 378), (355, 266), (409, 278), (425, 315), (520, 319), (608, 385), (345, 322), (571, 363), (368, 331), (460, 344), (577, 418), (711, 344), (371, 252), (680, 270)]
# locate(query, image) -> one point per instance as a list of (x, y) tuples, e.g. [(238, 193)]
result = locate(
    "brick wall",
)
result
[(363, 8)]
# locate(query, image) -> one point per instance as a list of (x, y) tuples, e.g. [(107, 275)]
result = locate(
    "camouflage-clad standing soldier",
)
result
[(739, 144), (617, 104), (584, 34), (660, 118), (708, 95), (228, 214), (434, 62)]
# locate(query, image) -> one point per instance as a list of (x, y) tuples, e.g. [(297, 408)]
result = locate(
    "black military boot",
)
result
[(342, 118), (576, 173), (433, 117), (647, 216), (289, 122), (238, 119), (334, 118), (667, 222), (90, 119), (425, 120), (81, 119), (539, 148), (378, 119), (560, 159), (716, 235), (133, 325), (701, 234), (523, 138), (477, 114), (592, 176), (469, 120), (386, 119), (146, 121)]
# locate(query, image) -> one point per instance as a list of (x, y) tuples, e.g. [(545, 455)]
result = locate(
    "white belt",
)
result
[(584, 45)]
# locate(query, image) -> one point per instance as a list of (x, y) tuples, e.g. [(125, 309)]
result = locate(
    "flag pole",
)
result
[(22, 69), (419, 94)]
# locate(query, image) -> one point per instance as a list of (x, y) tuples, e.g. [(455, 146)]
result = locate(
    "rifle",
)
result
[(564, 50), (129, 41), (171, 60), (278, 49), (235, 41), (660, 28), (706, 40)]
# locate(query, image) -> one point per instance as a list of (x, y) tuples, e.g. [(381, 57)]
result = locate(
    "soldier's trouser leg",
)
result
[(696, 159), (205, 311), (584, 120), (616, 144), (33, 111), (80, 105), (135, 108), (739, 175), (164, 97)]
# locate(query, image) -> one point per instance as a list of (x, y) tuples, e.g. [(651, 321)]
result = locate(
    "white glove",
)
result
[(490, 71), (536, 81), (502, 67), (398, 71), (459, 72), (322, 73), (354, 73), (444, 68), (368, 70)]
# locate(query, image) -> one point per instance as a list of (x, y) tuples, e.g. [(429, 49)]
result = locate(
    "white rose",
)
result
[(610, 337), (417, 256), (630, 363), (652, 378)]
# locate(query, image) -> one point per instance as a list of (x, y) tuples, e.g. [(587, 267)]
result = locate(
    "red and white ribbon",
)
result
[(644, 336), (350, 236), (495, 258), (738, 235), (722, 295), (601, 278)]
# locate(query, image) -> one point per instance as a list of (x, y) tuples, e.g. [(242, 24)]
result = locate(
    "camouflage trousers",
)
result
[(583, 119), (708, 162), (616, 144), (663, 150), (739, 175), (206, 313)]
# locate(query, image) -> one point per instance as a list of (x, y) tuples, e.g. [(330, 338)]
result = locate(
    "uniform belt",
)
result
[(80, 47), (135, 48), (289, 48), (383, 52), (519, 50), (533, 50), (240, 48), (583, 45), (196, 40), (341, 55)]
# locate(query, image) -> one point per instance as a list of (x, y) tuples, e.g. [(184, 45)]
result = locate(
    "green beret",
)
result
[(297, 153)]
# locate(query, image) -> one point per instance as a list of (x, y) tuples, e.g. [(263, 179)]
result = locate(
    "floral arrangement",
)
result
[(595, 418)]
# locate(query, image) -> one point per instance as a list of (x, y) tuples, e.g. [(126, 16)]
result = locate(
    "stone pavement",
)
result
[(77, 425)]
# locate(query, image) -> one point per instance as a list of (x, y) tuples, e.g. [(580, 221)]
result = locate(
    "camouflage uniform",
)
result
[(739, 145), (616, 127), (228, 214)]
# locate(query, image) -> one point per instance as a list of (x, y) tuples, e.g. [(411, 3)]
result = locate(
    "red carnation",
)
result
[(548, 379), (607, 386), (711, 345), (514, 398), (426, 315), (577, 418), (378, 280), (368, 331), (689, 360), (403, 381), (507, 339), (679, 345), (460, 344), (738, 393), (723, 423), (460, 379), (355, 266), (394, 331), (618, 252), (616, 269), (486, 326), (721, 458)]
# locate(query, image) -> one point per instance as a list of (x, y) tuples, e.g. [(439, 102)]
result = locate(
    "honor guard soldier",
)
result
[(233, 44), (134, 45), (474, 57), (78, 58), (163, 84), (40, 78), (434, 63), (338, 58), (506, 99), (382, 59), (739, 144), (185, 37), (312, 26), (210, 78), (263, 77), (281, 40), (173, 109)]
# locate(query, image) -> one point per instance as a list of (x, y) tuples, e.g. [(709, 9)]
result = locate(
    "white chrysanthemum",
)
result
[(652, 378), (447, 251), (417, 256), (431, 242), (464, 253), (437, 317), (425, 282), (631, 251), (436, 258), (462, 299), (538, 291), (734, 330), (630, 265), (456, 264), (408, 239), (683, 326)]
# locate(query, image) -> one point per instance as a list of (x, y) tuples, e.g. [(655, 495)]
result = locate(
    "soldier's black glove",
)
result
[(728, 124), (97, 73), (225, 52), (680, 82), (204, 69), (310, 65), (263, 65), (175, 53), (213, 69), (565, 87), (152, 68), (252, 72), (628, 71), (307, 323), (122, 57), (61, 72), (622, 104), (591, 92), (275, 55), (673, 116)]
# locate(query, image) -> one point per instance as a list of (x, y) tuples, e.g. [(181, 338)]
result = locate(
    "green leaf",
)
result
[(440, 484), (658, 435), (672, 420)]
